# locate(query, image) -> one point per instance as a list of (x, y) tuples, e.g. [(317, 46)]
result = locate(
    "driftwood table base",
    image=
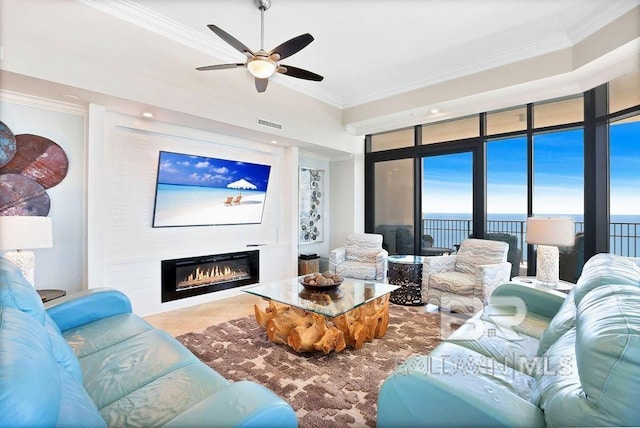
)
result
[(306, 331)]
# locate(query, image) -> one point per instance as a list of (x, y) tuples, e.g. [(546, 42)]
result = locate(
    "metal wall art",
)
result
[(311, 194), (29, 165)]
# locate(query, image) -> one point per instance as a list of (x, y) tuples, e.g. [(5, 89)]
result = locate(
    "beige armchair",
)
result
[(362, 257), (464, 282)]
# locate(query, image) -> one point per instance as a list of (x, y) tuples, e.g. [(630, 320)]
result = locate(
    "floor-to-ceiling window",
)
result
[(394, 193), (624, 166), (507, 195), (527, 160), (447, 201)]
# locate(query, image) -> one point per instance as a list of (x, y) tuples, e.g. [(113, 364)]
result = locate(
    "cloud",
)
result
[(167, 166), (183, 163), (201, 164), (222, 170)]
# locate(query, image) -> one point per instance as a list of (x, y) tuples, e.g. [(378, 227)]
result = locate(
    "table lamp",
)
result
[(20, 233), (548, 234)]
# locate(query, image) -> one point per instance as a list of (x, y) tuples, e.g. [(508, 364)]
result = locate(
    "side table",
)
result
[(562, 286), (47, 295), (307, 266), (406, 271)]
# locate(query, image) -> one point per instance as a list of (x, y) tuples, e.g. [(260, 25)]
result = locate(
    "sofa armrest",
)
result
[(539, 301), (84, 307), (488, 277), (241, 404), (337, 256), (435, 392), (381, 265)]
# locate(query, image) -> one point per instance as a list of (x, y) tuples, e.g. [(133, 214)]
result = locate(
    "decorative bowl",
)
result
[(311, 281)]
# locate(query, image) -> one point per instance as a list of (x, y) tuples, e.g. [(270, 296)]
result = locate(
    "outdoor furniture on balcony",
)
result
[(514, 255), (463, 282), (572, 259)]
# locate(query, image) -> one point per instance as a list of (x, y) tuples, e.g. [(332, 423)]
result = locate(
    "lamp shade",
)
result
[(550, 231), (25, 232)]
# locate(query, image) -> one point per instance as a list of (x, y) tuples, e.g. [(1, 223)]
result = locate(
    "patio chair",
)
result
[(464, 282), (362, 257), (229, 201), (236, 201)]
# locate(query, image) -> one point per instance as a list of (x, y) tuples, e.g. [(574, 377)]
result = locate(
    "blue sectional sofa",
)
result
[(532, 358), (88, 361)]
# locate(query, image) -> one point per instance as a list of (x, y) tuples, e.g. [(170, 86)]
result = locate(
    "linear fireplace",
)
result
[(193, 276)]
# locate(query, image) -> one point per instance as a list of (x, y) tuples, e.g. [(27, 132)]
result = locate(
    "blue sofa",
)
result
[(88, 361), (532, 358)]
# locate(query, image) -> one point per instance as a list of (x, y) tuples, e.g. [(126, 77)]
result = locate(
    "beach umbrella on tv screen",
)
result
[(241, 184)]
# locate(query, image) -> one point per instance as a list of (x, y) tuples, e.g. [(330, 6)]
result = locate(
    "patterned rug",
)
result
[(324, 390)]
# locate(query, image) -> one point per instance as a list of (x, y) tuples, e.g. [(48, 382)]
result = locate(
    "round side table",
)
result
[(406, 271)]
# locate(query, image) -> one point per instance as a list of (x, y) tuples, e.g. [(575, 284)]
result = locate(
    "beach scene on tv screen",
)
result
[(197, 190)]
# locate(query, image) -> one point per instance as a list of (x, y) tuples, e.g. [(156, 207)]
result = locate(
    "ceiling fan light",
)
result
[(261, 68)]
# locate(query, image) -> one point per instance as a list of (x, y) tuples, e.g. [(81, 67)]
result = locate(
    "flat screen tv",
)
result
[(202, 191)]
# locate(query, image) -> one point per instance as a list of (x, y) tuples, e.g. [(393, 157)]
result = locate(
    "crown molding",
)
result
[(42, 103), (439, 74), (146, 18), (596, 21)]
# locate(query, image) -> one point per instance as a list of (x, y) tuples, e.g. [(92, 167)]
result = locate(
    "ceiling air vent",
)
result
[(270, 124)]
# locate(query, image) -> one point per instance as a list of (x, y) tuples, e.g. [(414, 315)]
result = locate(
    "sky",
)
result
[(189, 170), (558, 175)]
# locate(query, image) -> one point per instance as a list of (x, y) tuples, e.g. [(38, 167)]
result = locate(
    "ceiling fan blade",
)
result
[(299, 73), (261, 84), (231, 40), (219, 67), (292, 46)]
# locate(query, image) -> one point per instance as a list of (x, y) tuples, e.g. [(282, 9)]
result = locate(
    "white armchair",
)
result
[(464, 282), (362, 257)]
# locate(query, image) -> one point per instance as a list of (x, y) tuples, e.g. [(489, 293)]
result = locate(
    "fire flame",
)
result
[(216, 273)]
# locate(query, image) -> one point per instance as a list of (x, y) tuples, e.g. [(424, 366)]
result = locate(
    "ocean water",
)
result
[(615, 218), (172, 199), (624, 229)]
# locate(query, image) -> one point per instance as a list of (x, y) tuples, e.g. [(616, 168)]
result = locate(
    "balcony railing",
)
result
[(624, 237)]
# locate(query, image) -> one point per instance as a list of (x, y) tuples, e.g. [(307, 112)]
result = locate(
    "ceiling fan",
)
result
[(262, 64)]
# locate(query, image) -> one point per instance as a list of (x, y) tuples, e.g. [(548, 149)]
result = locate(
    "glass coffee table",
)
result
[(307, 320)]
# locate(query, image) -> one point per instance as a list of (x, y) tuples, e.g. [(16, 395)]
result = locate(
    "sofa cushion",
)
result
[(363, 247), (173, 394), (61, 350), (466, 363), (453, 282), (353, 269), (89, 338), (476, 252), (114, 372), (34, 389), (589, 376), (604, 269), (503, 344), (563, 321), (17, 293)]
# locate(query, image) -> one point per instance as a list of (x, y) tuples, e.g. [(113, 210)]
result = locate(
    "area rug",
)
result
[(324, 390)]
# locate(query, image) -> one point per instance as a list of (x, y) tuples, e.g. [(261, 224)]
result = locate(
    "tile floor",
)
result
[(197, 318)]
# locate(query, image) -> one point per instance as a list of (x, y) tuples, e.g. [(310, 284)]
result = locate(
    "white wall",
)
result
[(102, 211), (347, 198), (121, 201), (60, 267)]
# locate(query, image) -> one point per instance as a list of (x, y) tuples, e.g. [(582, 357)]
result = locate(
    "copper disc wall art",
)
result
[(38, 158), (29, 164), (7, 144), (20, 195)]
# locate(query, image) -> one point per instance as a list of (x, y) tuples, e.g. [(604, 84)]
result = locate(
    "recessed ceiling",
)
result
[(369, 50), (386, 64)]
